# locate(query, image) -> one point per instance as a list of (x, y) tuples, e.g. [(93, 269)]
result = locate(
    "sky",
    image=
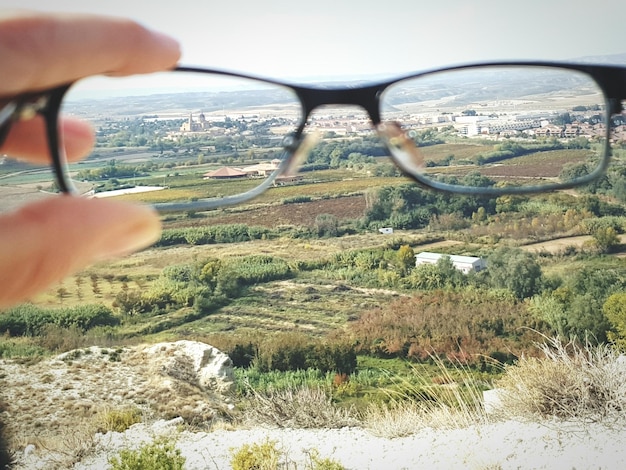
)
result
[(299, 39)]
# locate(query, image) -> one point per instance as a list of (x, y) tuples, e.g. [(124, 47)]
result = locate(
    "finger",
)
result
[(28, 140), (46, 241), (42, 50)]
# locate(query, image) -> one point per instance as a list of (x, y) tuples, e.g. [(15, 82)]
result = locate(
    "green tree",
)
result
[(451, 276), (480, 216), (614, 310), (406, 259), (551, 310), (515, 270), (586, 320), (209, 273), (606, 239), (426, 277)]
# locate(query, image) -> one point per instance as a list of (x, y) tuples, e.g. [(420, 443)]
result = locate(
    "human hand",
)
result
[(43, 242)]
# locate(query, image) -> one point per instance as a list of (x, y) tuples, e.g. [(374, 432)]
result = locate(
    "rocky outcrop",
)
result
[(193, 362), (187, 380)]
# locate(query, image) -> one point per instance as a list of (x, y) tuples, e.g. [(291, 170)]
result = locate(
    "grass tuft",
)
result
[(571, 381), (116, 420), (296, 407)]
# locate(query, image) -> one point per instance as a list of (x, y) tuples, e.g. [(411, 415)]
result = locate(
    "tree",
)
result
[(450, 275), (515, 270), (614, 310), (406, 259), (606, 239), (573, 171), (551, 310), (479, 216), (586, 319), (426, 277)]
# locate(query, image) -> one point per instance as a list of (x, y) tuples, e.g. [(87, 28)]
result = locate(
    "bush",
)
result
[(117, 420), (586, 383), (158, 455), (265, 456), (255, 269), (290, 352), (30, 320), (460, 325), (320, 463), (297, 199), (228, 233), (304, 408)]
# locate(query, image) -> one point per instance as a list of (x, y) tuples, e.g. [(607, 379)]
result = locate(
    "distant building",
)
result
[(225, 173), (465, 264), (262, 169), (195, 126)]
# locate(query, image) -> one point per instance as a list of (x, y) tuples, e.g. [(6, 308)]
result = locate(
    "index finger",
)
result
[(43, 50)]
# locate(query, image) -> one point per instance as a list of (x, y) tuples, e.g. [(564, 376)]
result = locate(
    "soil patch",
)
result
[(298, 214)]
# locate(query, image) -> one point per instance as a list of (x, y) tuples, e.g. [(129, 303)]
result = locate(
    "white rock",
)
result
[(195, 363), (29, 449)]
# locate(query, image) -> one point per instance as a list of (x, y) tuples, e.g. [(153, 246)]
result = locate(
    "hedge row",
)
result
[(30, 320)]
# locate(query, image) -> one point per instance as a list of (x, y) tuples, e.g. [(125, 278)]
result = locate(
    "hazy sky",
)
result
[(299, 38)]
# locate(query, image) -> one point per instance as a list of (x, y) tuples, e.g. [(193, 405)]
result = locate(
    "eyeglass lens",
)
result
[(497, 126)]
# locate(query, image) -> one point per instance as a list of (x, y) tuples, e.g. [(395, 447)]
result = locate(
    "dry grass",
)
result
[(455, 401), (67, 447), (582, 383), (306, 407), (117, 419)]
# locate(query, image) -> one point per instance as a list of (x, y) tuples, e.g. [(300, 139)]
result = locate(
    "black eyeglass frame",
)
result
[(611, 79)]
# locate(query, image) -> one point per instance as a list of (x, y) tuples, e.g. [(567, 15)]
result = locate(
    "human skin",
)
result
[(44, 242)]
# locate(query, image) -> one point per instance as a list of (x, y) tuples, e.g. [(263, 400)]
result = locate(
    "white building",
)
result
[(465, 264)]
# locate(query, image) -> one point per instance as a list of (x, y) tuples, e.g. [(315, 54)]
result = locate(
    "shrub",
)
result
[(294, 352), (586, 383), (13, 348), (30, 320), (296, 199), (265, 456), (320, 463), (304, 407), (158, 455), (117, 420), (232, 233), (444, 323), (259, 268)]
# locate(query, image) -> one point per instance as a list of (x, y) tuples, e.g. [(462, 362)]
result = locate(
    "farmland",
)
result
[(302, 275)]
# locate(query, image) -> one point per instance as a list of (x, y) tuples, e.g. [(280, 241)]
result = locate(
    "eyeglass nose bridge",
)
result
[(364, 97)]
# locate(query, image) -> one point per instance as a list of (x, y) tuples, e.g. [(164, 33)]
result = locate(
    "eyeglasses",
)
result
[(202, 139)]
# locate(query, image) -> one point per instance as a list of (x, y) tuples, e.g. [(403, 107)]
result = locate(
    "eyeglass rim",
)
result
[(611, 80)]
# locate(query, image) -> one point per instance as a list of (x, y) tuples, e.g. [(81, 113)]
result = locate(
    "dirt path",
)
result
[(558, 244)]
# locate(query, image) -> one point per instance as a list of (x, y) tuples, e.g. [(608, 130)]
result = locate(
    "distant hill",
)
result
[(612, 59)]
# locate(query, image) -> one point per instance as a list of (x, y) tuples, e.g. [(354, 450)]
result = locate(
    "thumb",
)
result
[(43, 242)]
